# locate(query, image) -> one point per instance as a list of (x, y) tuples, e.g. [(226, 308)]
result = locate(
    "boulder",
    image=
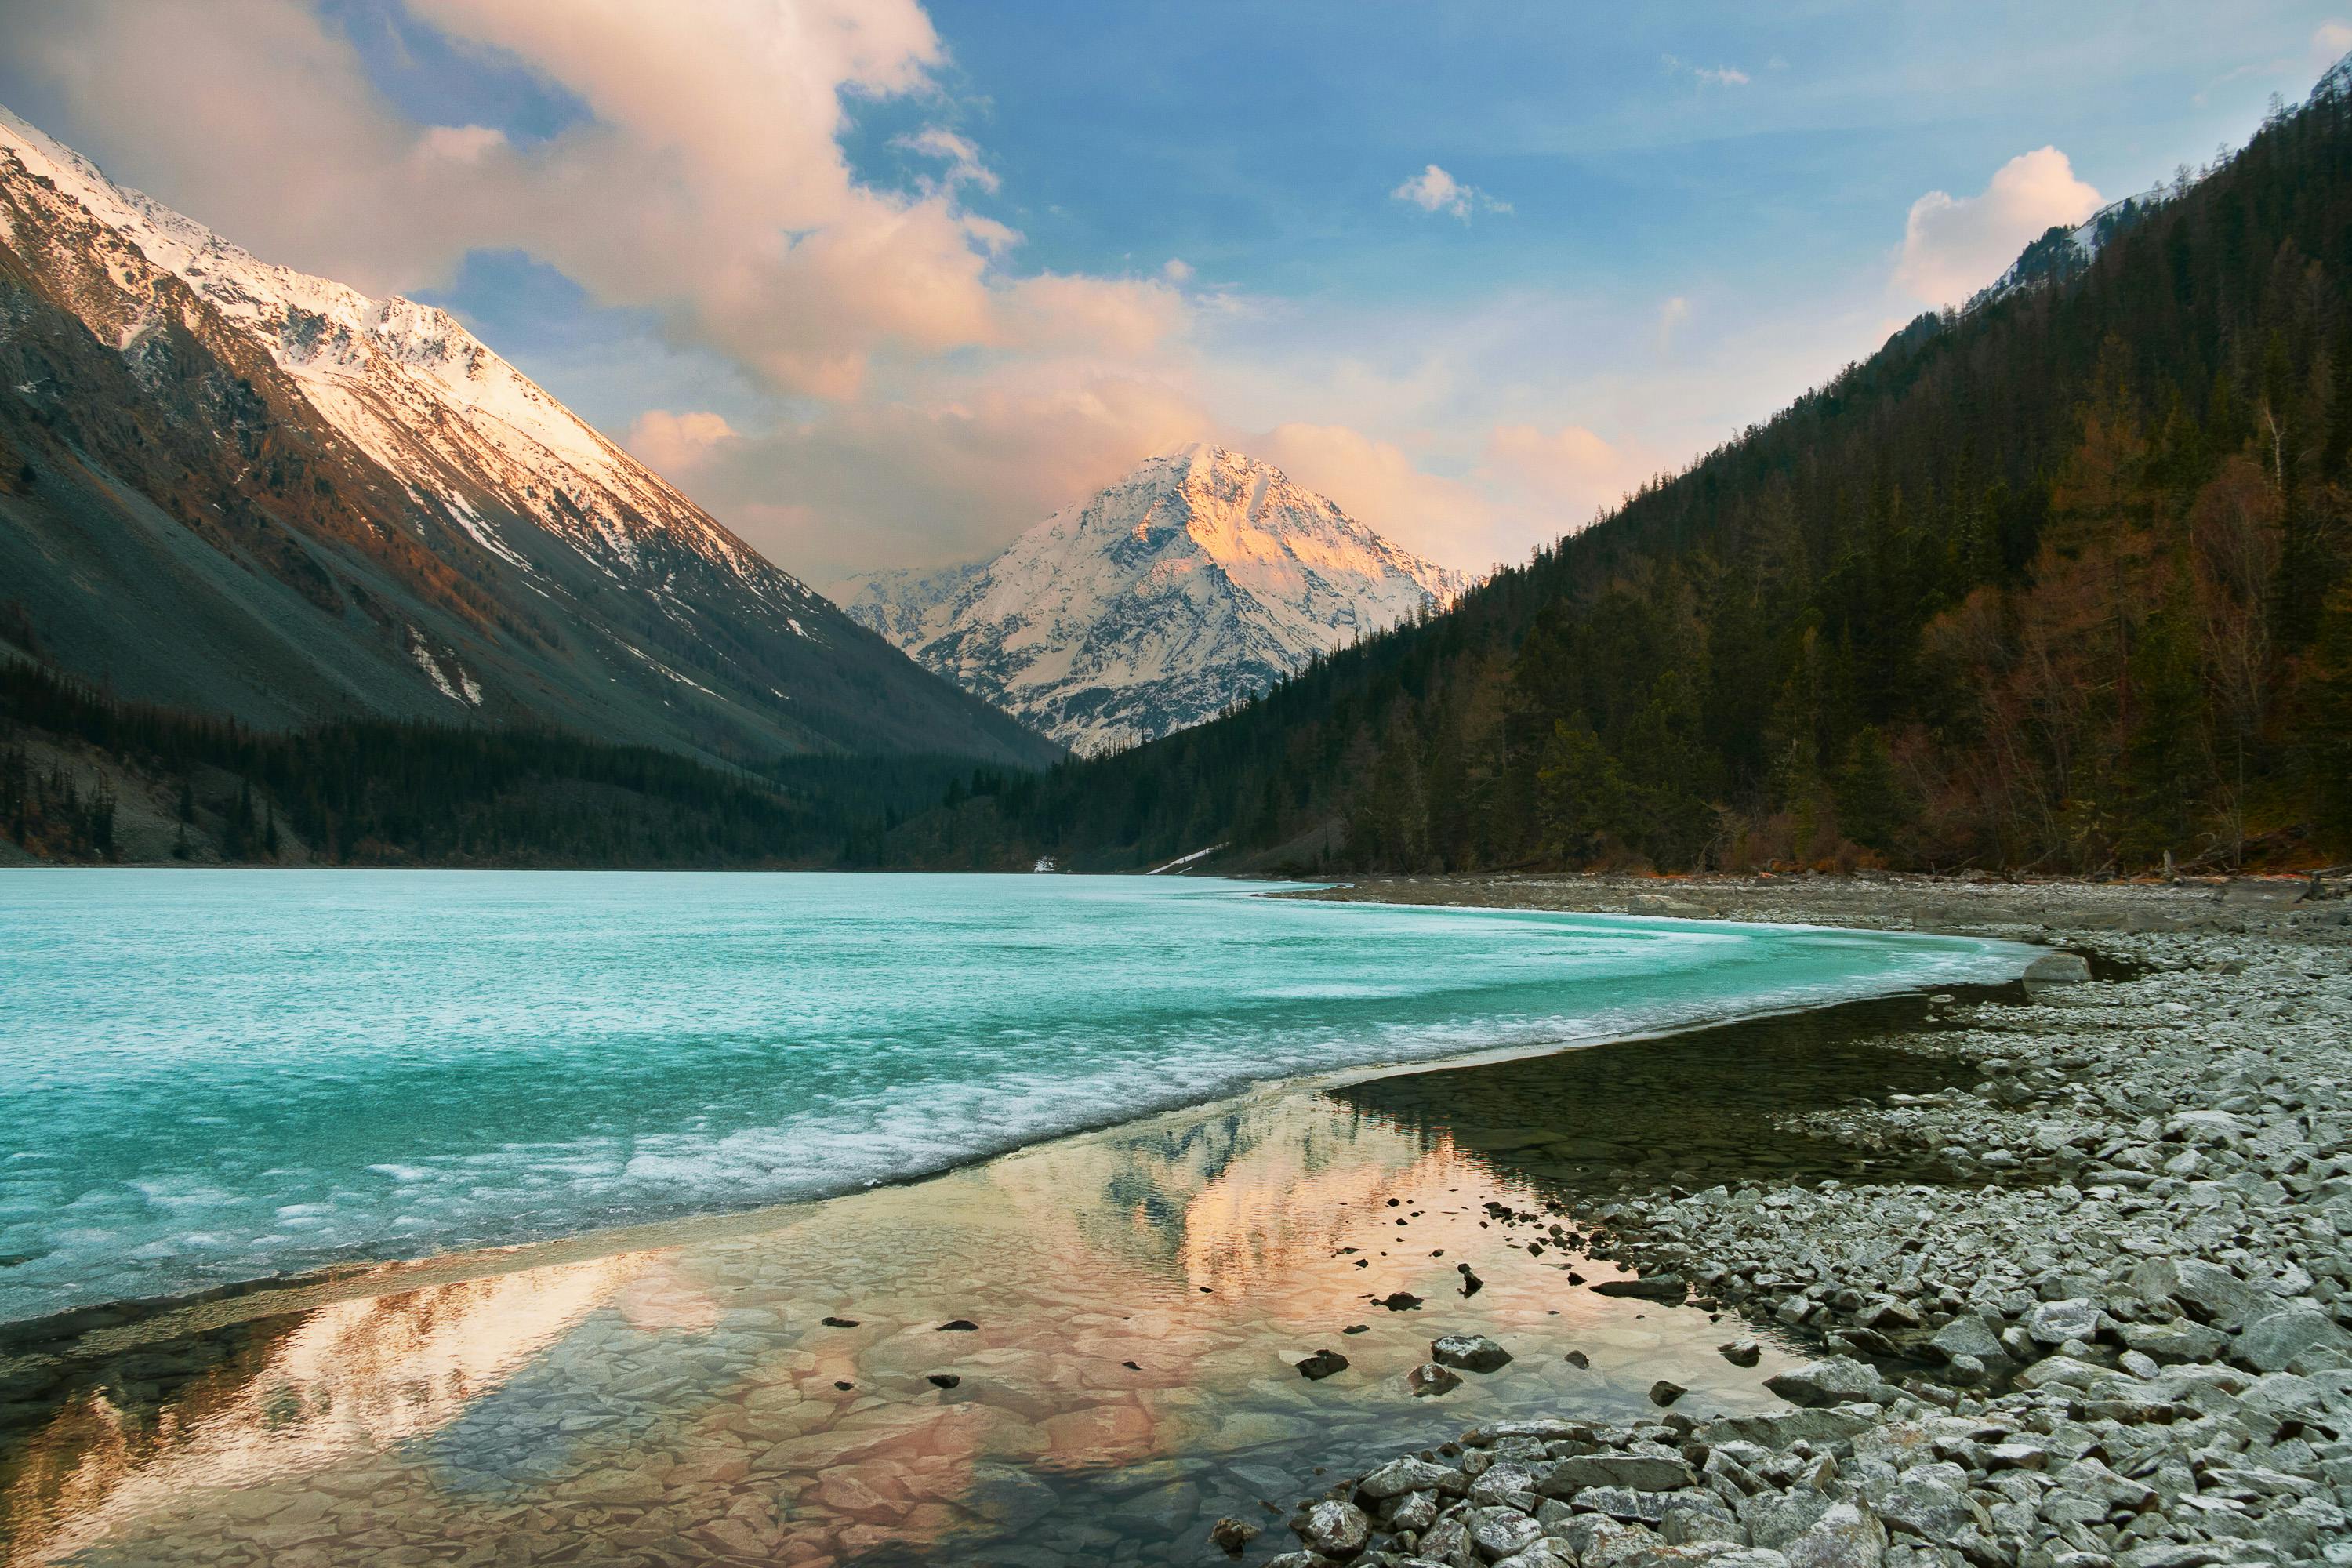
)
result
[(2055, 1323), (1659, 1470), (2209, 1292), (2059, 968), (1969, 1335), (2298, 1337), (1836, 1380), (1498, 1532), (2179, 1339), (1742, 1352), (1471, 1353), (1231, 1536), (1322, 1364), (1430, 1378), (1847, 1536), (1827, 1425), (1655, 1288), (1335, 1529), (1408, 1474), (1928, 1509)]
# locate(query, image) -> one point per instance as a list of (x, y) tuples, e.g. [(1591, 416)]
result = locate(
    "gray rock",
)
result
[(1601, 1541), (2298, 1337), (1665, 1392), (1775, 1517), (1414, 1511), (2209, 1292), (1743, 1353), (1836, 1380), (2167, 1343), (1499, 1533), (1780, 1429), (1659, 1471), (2055, 1323), (1410, 1474), (2059, 968), (1504, 1483), (1847, 1536), (1335, 1529), (1968, 1335), (1928, 1509), (1471, 1353)]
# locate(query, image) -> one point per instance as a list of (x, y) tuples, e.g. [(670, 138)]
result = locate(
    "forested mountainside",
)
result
[(2059, 581), (89, 779), (232, 487)]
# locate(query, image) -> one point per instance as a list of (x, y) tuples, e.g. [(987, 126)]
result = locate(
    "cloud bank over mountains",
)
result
[(860, 369)]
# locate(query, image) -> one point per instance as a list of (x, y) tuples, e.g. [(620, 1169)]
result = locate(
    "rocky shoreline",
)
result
[(2119, 1334)]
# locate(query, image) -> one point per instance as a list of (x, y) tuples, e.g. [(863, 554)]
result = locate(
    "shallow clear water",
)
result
[(217, 1076)]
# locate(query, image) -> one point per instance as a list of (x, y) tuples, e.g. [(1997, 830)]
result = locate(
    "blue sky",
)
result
[(880, 283)]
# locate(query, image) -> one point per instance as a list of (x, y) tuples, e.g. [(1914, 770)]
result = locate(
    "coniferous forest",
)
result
[(2058, 583)]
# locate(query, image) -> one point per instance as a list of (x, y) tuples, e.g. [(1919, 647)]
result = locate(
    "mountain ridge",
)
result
[(235, 487), (1199, 579)]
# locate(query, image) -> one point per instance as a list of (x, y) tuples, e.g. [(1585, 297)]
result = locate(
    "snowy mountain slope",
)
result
[(1201, 578), (385, 501)]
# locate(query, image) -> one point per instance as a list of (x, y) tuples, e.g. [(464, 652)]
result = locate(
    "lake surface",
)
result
[(216, 1076)]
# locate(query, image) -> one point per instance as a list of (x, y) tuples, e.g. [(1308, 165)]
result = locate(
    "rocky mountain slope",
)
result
[(1199, 579), (228, 486)]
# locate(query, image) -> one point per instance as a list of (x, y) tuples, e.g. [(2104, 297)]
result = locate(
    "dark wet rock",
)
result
[(1357, 1328), (1659, 1470), (1471, 1353), (1742, 1352), (840, 1322), (1400, 1302), (1321, 1365), (1665, 1392), (1577, 1360), (1471, 1283), (1338, 1530), (1430, 1378), (845, 1387), (2059, 968), (959, 1326), (943, 1380), (1670, 1288), (1231, 1536)]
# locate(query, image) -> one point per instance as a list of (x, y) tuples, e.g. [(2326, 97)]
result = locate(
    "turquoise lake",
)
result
[(213, 1077)]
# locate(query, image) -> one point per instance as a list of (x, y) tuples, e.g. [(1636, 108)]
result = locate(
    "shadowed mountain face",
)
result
[(1197, 581), (228, 486)]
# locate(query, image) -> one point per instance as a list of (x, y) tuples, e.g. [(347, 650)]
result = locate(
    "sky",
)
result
[(881, 283)]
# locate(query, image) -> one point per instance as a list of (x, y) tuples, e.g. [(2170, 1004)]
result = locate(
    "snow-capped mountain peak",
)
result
[(408, 384), (1199, 579)]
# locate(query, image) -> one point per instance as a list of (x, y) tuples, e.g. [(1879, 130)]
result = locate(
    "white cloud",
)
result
[(1713, 76), (1435, 191), (1954, 246), (964, 166), (708, 185)]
